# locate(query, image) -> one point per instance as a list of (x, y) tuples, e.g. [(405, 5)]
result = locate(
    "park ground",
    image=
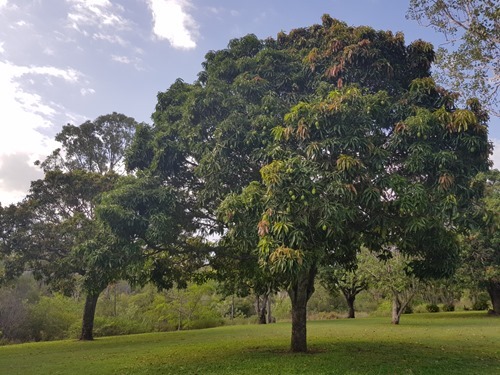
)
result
[(439, 343)]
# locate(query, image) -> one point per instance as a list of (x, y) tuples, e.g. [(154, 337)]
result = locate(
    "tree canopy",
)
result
[(55, 233), (341, 136), (469, 62), (481, 250)]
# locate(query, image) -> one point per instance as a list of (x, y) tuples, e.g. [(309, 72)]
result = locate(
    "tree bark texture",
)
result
[(396, 309), (263, 310), (300, 293), (494, 292), (350, 303), (88, 317), (270, 318)]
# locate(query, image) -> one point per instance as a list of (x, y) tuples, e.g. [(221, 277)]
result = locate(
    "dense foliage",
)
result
[(317, 142), (296, 152)]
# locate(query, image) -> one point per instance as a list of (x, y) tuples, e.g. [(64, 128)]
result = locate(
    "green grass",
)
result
[(442, 343)]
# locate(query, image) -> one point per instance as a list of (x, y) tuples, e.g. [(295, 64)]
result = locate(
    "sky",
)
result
[(68, 61)]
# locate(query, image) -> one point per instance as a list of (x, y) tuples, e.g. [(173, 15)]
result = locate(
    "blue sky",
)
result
[(67, 61)]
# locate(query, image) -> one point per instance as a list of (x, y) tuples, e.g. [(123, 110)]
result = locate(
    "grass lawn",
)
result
[(442, 343)]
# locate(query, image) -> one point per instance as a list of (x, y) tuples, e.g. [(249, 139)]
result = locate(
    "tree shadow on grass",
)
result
[(383, 358), (332, 358)]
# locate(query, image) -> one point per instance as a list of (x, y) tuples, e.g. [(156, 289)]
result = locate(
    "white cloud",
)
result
[(69, 75), (95, 13), (172, 22), (121, 59), (114, 39), (3, 3), (2, 50), (24, 114), (136, 62), (86, 92)]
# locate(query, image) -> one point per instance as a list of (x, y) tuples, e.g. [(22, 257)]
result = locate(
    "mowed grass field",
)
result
[(442, 343)]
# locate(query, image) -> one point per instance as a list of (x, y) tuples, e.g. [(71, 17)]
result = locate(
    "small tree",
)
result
[(392, 276), (348, 280)]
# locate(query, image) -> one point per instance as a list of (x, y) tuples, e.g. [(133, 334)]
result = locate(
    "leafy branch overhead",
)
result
[(469, 61)]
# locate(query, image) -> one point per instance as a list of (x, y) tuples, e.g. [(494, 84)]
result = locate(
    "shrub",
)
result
[(408, 309), (323, 316), (448, 307), (283, 309), (116, 326), (383, 309), (205, 323), (432, 308), (480, 305), (52, 317)]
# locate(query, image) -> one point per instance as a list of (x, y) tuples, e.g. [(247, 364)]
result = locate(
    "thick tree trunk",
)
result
[(494, 292), (396, 307), (299, 294), (88, 317), (350, 303)]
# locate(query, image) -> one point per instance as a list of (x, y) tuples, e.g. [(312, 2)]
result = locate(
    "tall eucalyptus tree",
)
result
[(55, 232)]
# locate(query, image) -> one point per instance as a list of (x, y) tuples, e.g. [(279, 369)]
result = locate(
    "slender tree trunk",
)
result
[(270, 318), (232, 307), (114, 300), (494, 292), (350, 303), (299, 294), (263, 311), (396, 307), (88, 317)]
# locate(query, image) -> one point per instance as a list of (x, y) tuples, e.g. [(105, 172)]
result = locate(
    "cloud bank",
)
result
[(25, 114), (172, 22)]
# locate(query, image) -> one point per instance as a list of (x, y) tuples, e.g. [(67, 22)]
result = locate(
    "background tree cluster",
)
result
[(298, 152)]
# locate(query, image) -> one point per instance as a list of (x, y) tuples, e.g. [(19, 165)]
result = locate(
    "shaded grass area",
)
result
[(444, 343)]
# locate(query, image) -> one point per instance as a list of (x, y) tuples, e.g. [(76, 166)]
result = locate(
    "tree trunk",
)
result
[(396, 309), (270, 318), (350, 303), (494, 292), (232, 307), (299, 294), (88, 317), (263, 311)]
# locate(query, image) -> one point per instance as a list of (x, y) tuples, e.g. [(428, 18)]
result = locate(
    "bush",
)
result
[(383, 309), (205, 323), (480, 305), (52, 317), (408, 309), (448, 307), (432, 308), (282, 309), (116, 326), (323, 316)]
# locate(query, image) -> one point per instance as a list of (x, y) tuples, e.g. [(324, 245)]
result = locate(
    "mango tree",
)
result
[(368, 168), (347, 136)]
